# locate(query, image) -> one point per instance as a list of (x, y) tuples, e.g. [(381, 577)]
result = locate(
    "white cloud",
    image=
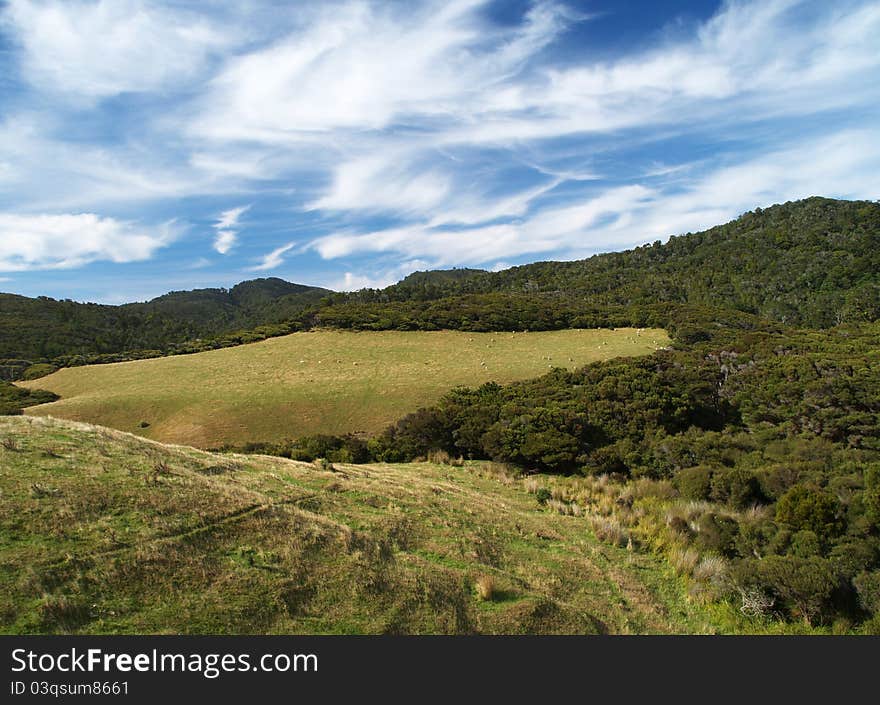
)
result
[(225, 241), (384, 182), (96, 49), (632, 215), (361, 65), (274, 259), (229, 219), (71, 240), (429, 114), (377, 279), (227, 236)]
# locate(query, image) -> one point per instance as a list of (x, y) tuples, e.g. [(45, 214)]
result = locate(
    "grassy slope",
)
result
[(317, 382), (103, 532)]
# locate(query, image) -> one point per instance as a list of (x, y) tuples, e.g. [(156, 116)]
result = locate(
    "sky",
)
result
[(157, 145)]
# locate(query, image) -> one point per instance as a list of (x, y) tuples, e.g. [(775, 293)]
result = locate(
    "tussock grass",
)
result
[(485, 587)]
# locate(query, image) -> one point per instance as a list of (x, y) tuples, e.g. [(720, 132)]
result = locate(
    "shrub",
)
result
[(684, 560), (806, 507), (439, 457), (803, 585), (717, 534), (851, 556), (543, 495), (38, 370), (805, 543), (871, 497), (737, 488), (867, 585), (755, 537), (694, 483), (609, 530), (10, 443), (710, 569)]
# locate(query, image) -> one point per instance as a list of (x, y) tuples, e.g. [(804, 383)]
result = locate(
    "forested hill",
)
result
[(814, 262), (45, 328)]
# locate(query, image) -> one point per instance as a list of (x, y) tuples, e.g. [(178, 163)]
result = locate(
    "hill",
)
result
[(103, 532), (44, 328), (814, 262), (315, 382), (808, 263)]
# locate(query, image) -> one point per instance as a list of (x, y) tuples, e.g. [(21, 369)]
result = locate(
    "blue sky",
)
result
[(153, 145)]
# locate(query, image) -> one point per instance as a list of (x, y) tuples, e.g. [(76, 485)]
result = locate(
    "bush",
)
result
[(486, 589), (809, 508), (803, 585), (867, 586), (805, 543), (38, 370), (872, 495), (852, 556), (694, 483), (717, 534), (737, 488)]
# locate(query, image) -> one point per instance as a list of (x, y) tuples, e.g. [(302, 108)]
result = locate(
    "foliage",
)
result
[(44, 329), (13, 400), (806, 508), (813, 262)]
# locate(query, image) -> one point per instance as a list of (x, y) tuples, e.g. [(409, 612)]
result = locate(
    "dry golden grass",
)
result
[(316, 382)]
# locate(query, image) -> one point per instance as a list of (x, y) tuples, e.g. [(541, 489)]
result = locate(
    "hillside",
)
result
[(43, 328), (814, 262), (102, 532), (811, 263), (315, 382)]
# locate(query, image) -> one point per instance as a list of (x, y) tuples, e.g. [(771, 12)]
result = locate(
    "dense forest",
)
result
[(814, 262), (45, 329)]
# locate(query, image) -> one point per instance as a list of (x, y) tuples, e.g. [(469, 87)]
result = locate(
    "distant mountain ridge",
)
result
[(43, 328)]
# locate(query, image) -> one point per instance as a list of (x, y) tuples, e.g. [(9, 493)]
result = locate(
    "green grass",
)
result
[(316, 382), (105, 532)]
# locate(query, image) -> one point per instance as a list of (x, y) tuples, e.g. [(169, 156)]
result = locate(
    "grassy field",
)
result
[(105, 532), (316, 382)]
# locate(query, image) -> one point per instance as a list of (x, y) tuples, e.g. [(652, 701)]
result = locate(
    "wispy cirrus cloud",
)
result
[(226, 229), (273, 259), (375, 137), (86, 49)]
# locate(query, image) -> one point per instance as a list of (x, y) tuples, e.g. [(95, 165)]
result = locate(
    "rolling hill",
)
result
[(314, 382), (102, 532), (43, 328), (814, 262)]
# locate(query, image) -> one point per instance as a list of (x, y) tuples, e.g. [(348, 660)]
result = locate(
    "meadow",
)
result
[(324, 381), (105, 532)]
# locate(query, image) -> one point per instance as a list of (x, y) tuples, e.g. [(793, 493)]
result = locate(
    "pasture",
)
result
[(315, 382)]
